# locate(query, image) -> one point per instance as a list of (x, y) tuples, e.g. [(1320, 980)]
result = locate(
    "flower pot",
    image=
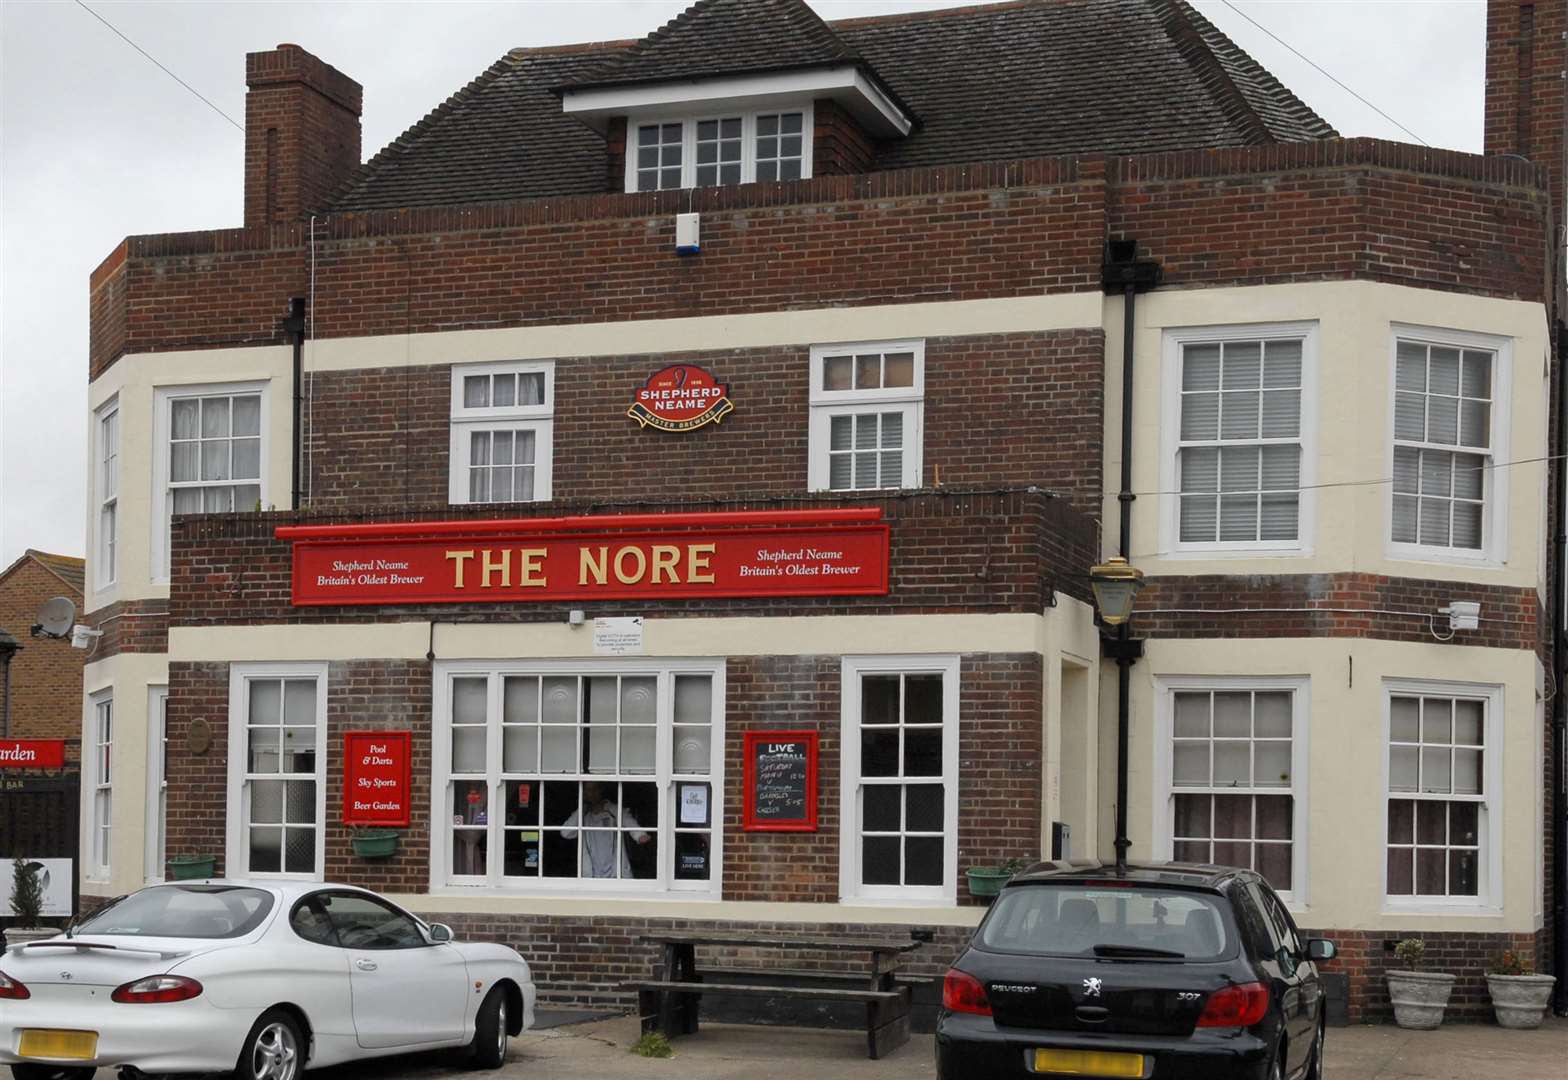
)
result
[(1520, 1000), (18, 935), (375, 844), (192, 867), (987, 881), (1419, 997)]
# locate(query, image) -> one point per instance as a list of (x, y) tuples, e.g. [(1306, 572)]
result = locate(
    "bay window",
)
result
[(599, 777), (1232, 755), (108, 476), (99, 758)]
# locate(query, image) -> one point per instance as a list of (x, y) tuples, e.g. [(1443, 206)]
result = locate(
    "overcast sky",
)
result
[(97, 143)]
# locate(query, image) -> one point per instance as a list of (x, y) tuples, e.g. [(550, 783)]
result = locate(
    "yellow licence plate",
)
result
[(1088, 1063), (67, 1045)]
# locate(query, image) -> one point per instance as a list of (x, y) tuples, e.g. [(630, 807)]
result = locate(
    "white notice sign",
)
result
[(617, 637), (54, 876)]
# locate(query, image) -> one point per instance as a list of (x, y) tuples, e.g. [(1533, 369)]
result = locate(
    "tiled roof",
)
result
[(986, 82), (503, 136), (724, 37), (68, 568)]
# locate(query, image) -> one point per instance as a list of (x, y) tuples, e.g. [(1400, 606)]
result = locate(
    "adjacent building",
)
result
[(662, 485)]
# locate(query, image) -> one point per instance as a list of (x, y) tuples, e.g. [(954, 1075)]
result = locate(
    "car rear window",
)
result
[(1072, 919), (183, 911)]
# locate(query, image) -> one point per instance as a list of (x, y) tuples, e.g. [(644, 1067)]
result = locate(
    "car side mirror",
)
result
[(440, 933), (1321, 949)]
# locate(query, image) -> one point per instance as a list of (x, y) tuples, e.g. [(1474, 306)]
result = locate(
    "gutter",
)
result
[(1556, 598)]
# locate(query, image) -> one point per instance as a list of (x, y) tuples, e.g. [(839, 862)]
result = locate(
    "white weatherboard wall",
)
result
[(1345, 728), (129, 676), (1356, 323)]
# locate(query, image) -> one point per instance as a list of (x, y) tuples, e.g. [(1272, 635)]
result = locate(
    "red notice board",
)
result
[(377, 777), (780, 781)]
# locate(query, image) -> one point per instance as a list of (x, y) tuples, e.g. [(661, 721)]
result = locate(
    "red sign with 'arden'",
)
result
[(657, 556), (32, 753), (377, 773)]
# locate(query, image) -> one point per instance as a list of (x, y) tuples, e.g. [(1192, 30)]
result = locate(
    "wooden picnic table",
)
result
[(669, 1002)]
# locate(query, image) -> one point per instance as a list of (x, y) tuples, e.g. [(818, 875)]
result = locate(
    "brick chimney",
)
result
[(301, 133), (1526, 57)]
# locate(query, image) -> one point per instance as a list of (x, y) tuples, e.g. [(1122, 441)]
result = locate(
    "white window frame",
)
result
[(156, 823), (538, 419), (98, 783), (1489, 863), (237, 817), (852, 669), (826, 404), (1163, 826), (106, 468), (748, 149), (1174, 340), (162, 497), (665, 886), (1494, 517)]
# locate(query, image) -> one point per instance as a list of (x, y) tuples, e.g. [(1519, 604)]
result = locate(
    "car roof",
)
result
[(1178, 874), (285, 891)]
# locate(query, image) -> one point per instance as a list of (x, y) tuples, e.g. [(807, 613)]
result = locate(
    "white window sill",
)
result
[(573, 893), (901, 901), (1437, 909), (1194, 554), (1443, 557)]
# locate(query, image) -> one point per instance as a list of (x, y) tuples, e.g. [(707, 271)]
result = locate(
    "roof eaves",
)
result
[(1176, 19)]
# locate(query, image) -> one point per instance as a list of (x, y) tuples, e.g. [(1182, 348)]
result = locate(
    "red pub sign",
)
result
[(32, 753), (377, 774), (679, 398), (837, 552)]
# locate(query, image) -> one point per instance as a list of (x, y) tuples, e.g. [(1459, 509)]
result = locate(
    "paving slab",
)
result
[(601, 1049)]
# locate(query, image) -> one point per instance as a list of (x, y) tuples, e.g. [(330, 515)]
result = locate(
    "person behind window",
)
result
[(599, 813)]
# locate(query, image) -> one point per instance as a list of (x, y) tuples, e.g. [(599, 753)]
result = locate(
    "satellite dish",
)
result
[(55, 617)]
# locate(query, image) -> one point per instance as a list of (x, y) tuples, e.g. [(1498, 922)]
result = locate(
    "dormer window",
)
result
[(711, 150)]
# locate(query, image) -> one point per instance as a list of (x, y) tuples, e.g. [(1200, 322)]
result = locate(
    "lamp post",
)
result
[(1116, 584), (9, 647)]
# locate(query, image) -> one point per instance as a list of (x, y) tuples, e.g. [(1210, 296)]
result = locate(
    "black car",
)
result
[(1162, 970)]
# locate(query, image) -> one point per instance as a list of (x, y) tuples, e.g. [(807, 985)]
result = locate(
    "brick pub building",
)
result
[(833, 456)]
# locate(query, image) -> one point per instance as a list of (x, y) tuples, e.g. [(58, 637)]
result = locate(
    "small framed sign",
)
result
[(377, 777), (780, 781)]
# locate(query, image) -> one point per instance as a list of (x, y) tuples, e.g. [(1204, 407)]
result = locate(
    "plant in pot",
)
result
[(988, 880), (1519, 995), (1419, 997), (27, 901), (192, 867)]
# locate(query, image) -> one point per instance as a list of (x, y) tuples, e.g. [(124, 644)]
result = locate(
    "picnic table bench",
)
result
[(668, 1003)]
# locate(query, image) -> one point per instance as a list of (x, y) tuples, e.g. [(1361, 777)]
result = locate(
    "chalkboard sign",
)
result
[(781, 781)]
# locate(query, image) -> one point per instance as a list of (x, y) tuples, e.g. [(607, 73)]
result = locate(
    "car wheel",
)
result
[(52, 1072), (488, 1050), (1315, 1065), (274, 1049)]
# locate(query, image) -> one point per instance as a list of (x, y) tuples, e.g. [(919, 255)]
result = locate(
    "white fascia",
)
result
[(847, 85)]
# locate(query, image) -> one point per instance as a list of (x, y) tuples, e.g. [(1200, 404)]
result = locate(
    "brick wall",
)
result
[(951, 551), (1339, 209), (1333, 605), (136, 626), (839, 145), (302, 137), (1000, 752), (1366, 956), (46, 676), (383, 434), (1525, 95)]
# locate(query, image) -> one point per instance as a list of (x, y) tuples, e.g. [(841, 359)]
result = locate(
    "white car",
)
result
[(264, 978)]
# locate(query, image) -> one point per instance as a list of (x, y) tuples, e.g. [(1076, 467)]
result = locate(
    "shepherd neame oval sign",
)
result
[(681, 397)]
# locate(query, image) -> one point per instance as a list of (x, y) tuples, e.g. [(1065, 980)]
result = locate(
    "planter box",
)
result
[(378, 844), (18, 935), (987, 882), (1520, 1000), (1419, 998), (192, 867)]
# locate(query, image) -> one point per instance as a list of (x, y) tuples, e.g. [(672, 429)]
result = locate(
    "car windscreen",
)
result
[(1094, 920), (183, 911)]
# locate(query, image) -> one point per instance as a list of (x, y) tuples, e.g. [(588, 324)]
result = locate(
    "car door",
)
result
[(1288, 962), (406, 991), (1309, 985)]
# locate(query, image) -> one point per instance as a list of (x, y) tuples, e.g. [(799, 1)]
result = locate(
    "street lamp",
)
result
[(9, 647), (1116, 585)]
